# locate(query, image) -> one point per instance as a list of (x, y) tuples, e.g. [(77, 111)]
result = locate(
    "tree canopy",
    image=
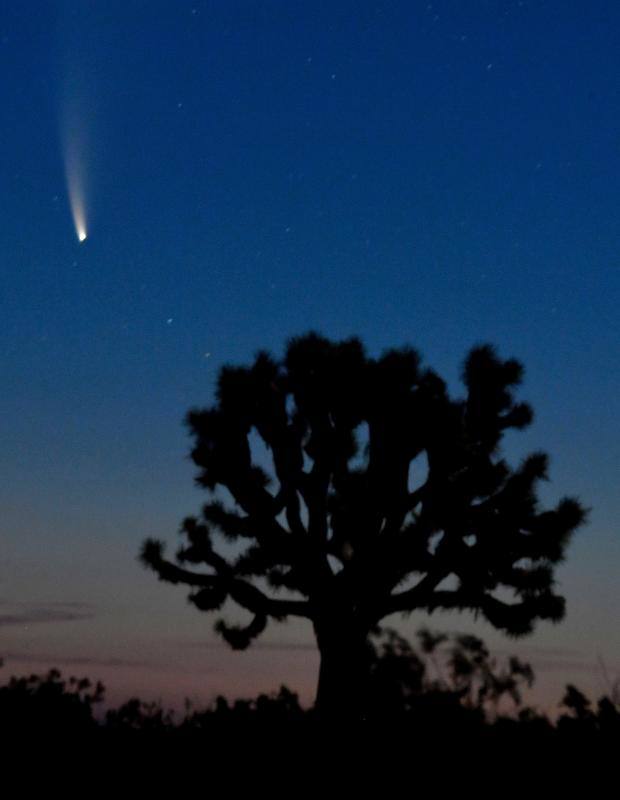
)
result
[(344, 531)]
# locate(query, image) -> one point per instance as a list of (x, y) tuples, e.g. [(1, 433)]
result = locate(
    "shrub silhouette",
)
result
[(340, 534), (406, 685), (43, 704), (581, 720), (138, 715), (462, 683), (279, 707)]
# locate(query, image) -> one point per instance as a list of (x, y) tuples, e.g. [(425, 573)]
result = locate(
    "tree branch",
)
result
[(242, 592)]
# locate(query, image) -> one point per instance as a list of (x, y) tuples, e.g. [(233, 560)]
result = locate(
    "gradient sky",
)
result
[(429, 173)]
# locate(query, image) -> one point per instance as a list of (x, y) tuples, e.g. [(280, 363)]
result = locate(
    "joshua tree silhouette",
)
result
[(342, 533)]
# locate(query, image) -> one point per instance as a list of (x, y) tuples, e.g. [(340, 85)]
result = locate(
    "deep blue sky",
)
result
[(437, 174)]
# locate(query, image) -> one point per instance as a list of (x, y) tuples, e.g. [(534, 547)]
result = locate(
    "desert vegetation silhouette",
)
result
[(385, 496), (446, 688)]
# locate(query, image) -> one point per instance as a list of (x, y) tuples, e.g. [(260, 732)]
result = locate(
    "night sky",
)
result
[(435, 174)]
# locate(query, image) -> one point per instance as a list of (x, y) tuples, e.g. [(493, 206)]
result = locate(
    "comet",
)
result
[(75, 186), (74, 149), (76, 111), (77, 211)]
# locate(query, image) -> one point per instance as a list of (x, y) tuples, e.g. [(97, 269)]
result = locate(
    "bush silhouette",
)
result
[(447, 680), (385, 496), (44, 704), (445, 695)]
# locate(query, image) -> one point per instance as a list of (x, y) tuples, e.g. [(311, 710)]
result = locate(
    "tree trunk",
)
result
[(343, 674)]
